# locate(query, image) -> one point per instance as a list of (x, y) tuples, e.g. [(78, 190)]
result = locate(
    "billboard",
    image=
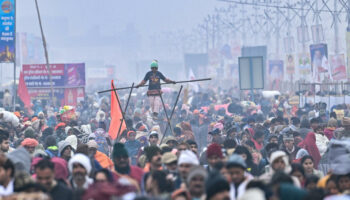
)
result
[(337, 65), (7, 29), (37, 76), (75, 75), (63, 75), (304, 65), (348, 52), (319, 62), (251, 73), (290, 66), (275, 73)]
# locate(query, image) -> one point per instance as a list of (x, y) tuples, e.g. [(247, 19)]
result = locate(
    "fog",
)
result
[(109, 32)]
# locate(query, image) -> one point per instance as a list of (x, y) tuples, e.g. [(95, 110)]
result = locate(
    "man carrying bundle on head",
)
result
[(154, 89)]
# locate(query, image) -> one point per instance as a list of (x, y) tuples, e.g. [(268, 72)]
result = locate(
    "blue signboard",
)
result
[(7, 31)]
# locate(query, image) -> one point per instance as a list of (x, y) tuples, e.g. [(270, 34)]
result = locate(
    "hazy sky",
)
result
[(113, 15), (99, 33)]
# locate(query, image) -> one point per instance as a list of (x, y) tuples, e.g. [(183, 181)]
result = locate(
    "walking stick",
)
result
[(166, 114), (172, 113)]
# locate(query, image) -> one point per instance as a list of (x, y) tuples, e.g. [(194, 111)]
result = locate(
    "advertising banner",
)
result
[(319, 62), (73, 95), (7, 31), (275, 73), (37, 76), (290, 66), (337, 64), (348, 52), (63, 75), (45, 93), (75, 75), (304, 65)]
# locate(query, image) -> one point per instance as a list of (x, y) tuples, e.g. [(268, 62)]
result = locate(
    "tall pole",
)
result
[(336, 28), (317, 39), (244, 33), (277, 29), (14, 67), (45, 50)]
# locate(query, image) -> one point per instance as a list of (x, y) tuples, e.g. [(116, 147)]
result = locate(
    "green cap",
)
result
[(154, 64)]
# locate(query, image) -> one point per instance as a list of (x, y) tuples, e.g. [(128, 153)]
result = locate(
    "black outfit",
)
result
[(154, 79), (60, 191)]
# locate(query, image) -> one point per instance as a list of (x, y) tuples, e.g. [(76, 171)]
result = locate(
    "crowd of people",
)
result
[(217, 148)]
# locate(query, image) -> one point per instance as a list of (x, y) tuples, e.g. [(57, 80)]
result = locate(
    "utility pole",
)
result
[(336, 30), (46, 54)]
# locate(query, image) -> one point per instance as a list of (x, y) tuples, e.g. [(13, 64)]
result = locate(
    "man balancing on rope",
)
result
[(154, 89)]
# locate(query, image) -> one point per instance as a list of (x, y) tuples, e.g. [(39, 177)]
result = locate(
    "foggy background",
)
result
[(125, 36)]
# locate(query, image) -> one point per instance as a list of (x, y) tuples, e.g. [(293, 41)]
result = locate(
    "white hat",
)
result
[(92, 144), (73, 141), (81, 159), (188, 157), (153, 133)]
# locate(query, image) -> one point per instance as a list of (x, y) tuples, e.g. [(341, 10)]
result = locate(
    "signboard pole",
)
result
[(251, 79), (14, 63)]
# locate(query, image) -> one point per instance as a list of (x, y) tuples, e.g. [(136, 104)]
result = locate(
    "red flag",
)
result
[(116, 115), (23, 91)]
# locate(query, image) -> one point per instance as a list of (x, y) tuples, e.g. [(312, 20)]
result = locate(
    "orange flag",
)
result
[(116, 115), (23, 91)]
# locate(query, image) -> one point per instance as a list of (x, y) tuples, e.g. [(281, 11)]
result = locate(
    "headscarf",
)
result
[(309, 143)]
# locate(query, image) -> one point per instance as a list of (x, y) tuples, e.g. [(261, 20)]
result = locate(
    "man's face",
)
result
[(172, 166), (157, 160), (181, 147), (236, 174), (5, 176), (274, 140), (45, 177), (212, 160), (67, 152), (344, 183), (184, 168), (171, 143), (79, 172), (132, 136), (196, 186), (289, 144), (154, 69), (121, 162), (194, 148), (153, 140), (30, 149), (314, 126), (5, 145), (278, 164)]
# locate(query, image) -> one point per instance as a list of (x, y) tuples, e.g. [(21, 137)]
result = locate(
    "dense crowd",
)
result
[(218, 147)]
